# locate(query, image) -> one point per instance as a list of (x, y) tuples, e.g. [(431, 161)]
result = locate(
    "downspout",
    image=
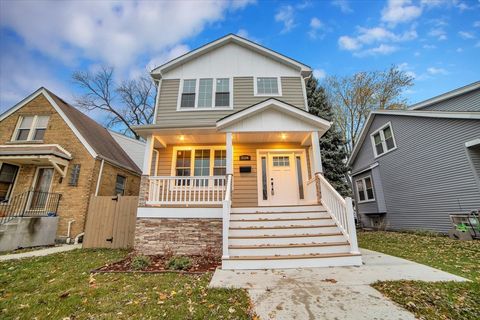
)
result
[(69, 229), (99, 177)]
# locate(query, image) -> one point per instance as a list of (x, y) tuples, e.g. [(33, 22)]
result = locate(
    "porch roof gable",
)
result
[(272, 115)]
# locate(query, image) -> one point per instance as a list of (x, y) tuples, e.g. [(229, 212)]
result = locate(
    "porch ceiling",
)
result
[(187, 138)]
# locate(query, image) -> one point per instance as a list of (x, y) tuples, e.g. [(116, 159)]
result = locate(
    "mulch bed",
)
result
[(200, 264)]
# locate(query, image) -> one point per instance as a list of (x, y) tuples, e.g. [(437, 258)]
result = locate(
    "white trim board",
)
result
[(180, 213), (43, 91), (446, 96)]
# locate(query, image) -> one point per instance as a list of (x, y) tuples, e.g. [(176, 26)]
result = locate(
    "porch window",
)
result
[(267, 86), (383, 140), (31, 128), (188, 93), (222, 94), (206, 161), (365, 189), (8, 174), (120, 185), (202, 165), (183, 163)]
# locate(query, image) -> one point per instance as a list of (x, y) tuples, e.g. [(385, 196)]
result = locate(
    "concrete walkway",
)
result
[(329, 293), (40, 252)]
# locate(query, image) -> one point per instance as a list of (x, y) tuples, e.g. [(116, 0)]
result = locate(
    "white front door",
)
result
[(282, 185)]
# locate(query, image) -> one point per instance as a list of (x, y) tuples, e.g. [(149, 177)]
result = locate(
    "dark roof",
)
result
[(96, 135)]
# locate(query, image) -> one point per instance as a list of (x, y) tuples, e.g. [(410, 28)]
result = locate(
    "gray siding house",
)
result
[(411, 169)]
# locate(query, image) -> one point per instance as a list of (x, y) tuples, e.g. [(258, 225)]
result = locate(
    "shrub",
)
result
[(179, 263), (140, 262)]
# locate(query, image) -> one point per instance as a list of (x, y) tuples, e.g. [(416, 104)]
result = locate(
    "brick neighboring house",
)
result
[(48, 147)]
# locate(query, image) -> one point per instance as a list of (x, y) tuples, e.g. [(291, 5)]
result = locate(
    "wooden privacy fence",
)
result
[(110, 222)]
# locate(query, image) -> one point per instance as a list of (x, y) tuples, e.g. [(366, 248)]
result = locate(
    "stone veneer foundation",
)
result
[(181, 236)]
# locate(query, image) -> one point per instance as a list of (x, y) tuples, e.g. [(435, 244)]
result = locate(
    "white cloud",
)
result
[(382, 49), (245, 34), (167, 55), (466, 35), (316, 26), (429, 46), (405, 67), (286, 15), (435, 71), (348, 43), (240, 4), (476, 24), (116, 33), (344, 5), (370, 36), (319, 73), (459, 50), (398, 11), (477, 45), (438, 33)]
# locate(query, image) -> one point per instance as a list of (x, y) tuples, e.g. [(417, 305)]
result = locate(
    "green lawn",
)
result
[(60, 286), (427, 300)]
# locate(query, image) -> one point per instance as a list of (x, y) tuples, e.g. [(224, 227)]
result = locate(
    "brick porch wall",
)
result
[(182, 236)]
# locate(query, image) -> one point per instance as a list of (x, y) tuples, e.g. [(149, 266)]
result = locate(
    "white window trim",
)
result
[(192, 157), (197, 89), (382, 137), (32, 129), (365, 188), (255, 87)]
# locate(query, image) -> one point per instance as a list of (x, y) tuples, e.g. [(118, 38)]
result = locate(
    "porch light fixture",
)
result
[(284, 136), (182, 138)]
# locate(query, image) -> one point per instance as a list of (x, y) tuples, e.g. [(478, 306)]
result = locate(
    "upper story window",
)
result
[(383, 140), (188, 93), (30, 128), (267, 86), (205, 93), (365, 189)]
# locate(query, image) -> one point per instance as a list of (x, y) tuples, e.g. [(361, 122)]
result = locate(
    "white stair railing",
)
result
[(227, 206), (341, 211), (186, 190)]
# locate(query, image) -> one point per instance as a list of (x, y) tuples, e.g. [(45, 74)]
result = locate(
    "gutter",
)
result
[(99, 177)]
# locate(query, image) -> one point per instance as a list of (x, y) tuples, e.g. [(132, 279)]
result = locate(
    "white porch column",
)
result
[(147, 158), (229, 149), (316, 155)]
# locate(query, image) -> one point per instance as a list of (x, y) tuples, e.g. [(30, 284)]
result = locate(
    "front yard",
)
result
[(60, 286), (441, 300)]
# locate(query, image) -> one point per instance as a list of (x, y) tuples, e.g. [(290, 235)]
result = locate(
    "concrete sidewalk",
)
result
[(40, 252), (329, 293)]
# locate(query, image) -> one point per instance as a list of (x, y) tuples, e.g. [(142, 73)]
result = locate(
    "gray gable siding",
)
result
[(168, 116), (469, 101), (429, 175)]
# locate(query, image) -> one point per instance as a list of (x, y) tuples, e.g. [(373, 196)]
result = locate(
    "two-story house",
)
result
[(232, 163), (412, 169), (52, 159)]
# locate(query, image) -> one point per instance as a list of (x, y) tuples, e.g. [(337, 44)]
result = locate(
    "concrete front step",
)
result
[(283, 230), (288, 209), (281, 222), (294, 249), (286, 240), (291, 261)]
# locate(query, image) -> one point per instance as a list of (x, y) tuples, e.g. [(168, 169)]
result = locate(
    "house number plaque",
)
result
[(245, 157)]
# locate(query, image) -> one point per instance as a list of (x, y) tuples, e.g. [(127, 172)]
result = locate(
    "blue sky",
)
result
[(43, 42)]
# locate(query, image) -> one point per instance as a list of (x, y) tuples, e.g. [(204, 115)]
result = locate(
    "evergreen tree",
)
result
[(332, 146)]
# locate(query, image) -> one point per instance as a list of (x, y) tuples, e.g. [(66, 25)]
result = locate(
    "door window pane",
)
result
[(264, 178), (267, 86), (299, 177), (281, 161)]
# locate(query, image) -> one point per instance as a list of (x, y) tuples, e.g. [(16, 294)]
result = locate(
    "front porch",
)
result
[(257, 181)]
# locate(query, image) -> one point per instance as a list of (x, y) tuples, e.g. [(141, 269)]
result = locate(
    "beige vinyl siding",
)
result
[(243, 97), (244, 184)]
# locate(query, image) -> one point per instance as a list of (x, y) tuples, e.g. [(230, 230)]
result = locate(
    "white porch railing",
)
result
[(341, 211), (186, 190), (227, 205)]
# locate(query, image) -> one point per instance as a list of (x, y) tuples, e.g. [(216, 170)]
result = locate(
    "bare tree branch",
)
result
[(126, 105)]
